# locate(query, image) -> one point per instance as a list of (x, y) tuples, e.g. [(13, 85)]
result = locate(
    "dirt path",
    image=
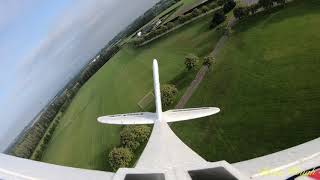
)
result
[(202, 72), (192, 87)]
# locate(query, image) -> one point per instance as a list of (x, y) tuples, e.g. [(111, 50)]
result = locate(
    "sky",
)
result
[(43, 44)]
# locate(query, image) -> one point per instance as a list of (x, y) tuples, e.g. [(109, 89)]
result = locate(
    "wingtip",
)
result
[(215, 109), (155, 62), (99, 119)]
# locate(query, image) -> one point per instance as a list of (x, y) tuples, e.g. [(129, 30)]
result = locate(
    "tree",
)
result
[(196, 12), (37, 155), (253, 8), (132, 136), (204, 9), (163, 28), (281, 2), (191, 62), (228, 6), (220, 2), (182, 19), (267, 4), (213, 5), (240, 12), (168, 94), (188, 16), (170, 25), (138, 41), (217, 19), (120, 157), (208, 60)]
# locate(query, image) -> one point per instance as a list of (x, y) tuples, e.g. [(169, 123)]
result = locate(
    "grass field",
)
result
[(266, 82), (80, 141)]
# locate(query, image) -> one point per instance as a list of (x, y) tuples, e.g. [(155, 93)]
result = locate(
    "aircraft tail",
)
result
[(156, 86), (168, 116)]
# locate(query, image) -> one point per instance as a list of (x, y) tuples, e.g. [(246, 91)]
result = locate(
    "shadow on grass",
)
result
[(183, 79)]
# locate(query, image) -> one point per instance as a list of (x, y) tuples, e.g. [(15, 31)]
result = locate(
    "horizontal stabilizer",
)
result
[(130, 118), (191, 113)]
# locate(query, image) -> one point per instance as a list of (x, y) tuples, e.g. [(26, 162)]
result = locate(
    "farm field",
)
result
[(266, 83), (79, 140)]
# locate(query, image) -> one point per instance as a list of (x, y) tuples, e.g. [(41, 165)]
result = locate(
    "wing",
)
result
[(130, 118), (191, 113)]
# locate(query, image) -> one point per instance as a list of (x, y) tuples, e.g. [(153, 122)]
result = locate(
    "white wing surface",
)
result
[(191, 113), (130, 118)]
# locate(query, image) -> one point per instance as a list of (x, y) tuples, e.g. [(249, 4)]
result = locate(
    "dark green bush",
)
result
[(220, 2), (170, 25), (191, 62), (208, 60), (205, 9), (228, 6), (120, 157), (168, 94), (240, 12), (196, 12), (217, 19), (267, 4), (132, 136)]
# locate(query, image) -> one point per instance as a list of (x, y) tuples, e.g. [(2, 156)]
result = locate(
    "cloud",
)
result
[(76, 34)]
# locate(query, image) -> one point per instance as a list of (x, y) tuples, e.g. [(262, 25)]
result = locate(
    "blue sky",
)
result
[(43, 44)]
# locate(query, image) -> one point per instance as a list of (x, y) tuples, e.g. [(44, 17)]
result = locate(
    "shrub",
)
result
[(132, 136), (240, 12), (220, 2), (168, 94), (280, 1), (208, 60), (213, 5), (228, 6), (196, 12), (170, 25), (138, 41), (182, 19), (163, 28), (204, 9), (217, 19), (253, 8), (267, 4), (120, 157), (188, 17), (38, 155), (191, 62)]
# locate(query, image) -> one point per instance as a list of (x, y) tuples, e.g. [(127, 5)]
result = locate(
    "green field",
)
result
[(79, 140), (266, 82)]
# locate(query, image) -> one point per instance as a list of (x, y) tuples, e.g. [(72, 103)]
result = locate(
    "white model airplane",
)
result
[(166, 157)]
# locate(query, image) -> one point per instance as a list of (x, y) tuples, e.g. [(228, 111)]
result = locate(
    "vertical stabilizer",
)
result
[(156, 85)]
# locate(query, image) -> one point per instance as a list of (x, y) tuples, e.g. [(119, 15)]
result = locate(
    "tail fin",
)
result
[(156, 86), (150, 118)]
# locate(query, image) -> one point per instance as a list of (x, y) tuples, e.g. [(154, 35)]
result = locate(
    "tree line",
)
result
[(28, 142), (242, 12), (220, 15), (137, 41), (26, 145), (144, 19)]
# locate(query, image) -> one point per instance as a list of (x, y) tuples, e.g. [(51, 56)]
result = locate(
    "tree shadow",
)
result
[(183, 79)]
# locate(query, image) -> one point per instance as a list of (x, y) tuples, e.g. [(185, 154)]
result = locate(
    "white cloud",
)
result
[(77, 34)]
